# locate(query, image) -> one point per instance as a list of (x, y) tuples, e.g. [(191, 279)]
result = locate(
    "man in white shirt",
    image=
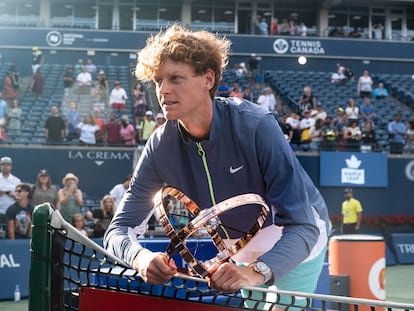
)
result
[(84, 78), (8, 183), (118, 190)]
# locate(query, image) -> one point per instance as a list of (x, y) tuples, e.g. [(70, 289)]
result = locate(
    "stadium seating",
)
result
[(37, 110), (289, 86)]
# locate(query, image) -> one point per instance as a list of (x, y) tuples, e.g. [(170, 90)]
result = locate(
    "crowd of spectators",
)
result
[(111, 120), (288, 27), (19, 198), (353, 127)]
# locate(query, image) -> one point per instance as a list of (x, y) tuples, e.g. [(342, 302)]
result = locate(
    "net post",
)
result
[(40, 267)]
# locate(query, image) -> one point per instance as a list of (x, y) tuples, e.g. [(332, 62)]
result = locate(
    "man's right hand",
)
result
[(154, 268)]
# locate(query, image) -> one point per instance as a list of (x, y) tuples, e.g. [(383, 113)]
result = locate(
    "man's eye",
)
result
[(176, 79)]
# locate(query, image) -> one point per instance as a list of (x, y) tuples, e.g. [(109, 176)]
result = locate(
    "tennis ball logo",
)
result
[(376, 279)]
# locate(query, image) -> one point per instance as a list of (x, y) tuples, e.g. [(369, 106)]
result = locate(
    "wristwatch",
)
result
[(263, 269)]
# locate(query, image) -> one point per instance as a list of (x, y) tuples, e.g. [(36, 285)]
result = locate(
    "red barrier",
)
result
[(108, 300)]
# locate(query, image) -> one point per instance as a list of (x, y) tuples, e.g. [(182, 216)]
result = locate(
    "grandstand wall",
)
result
[(99, 169)]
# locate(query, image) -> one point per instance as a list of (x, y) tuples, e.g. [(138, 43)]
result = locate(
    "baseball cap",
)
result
[(160, 115), (346, 190), (148, 113), (43, 173), (6, 160)]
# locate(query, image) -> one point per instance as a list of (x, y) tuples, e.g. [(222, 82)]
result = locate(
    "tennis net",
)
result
[(71, 272)]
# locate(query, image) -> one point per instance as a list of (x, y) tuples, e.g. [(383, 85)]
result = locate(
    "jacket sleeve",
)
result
[(134, 211), (288, 189)]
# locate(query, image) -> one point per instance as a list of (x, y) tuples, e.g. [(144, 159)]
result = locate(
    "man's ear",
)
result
[(210, 79)]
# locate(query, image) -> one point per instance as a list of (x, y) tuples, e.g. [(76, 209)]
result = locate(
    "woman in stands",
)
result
[(365, 82), (43, 190), (103, 215), (70, 197), (87, 131)]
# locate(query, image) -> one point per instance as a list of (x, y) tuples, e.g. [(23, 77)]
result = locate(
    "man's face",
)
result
[(21, 194), (181, 93), (6, 168), (348, 195)]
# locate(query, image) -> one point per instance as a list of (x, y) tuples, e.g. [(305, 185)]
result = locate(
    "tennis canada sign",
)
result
[(7, 261), (99, 156), (283, 46)]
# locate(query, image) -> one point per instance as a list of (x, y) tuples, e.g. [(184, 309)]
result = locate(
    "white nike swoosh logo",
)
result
[(236, 169)]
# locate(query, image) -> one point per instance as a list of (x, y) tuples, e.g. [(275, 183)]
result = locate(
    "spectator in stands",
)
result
[(87, 131), (118, 191), (70, 197), (84, 78), (349, 74), (352, 136), (44, 191), (247, 93), (364, 87), (292, 28), (118, 97), (319, 112), (274, 27), (14, 122), (284, 28), (264, 27), (351, 213), (380, 92), (356, 33), (102, 88), (253, 67), (37, 59), (9, 92), (112, 130), (267, 100), (78, 222), (409, 137), (340, 122), (15, 76), (68, 80), (305, 125), (127, 131), (19, 214), (307, 100), (352, 110), (294, 122), (397, 132), (140, 102), (4, 111), (54, 127), (36, 86), (223, 89), (368, 111), (337, 31), (146, 127), (241, 70), (329, 135), (73, 118), (160, 120), (103, 216), (91, 67), (78, 67), (235, 92), (377, 30), (99, 135), (8, 183), (286, 128), (315, 135), (369, 140), (302, 30)]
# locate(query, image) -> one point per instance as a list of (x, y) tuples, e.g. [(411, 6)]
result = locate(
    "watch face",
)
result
[(261, 266)]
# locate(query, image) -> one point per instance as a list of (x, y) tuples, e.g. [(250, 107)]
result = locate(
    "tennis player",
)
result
[(213, 149)]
